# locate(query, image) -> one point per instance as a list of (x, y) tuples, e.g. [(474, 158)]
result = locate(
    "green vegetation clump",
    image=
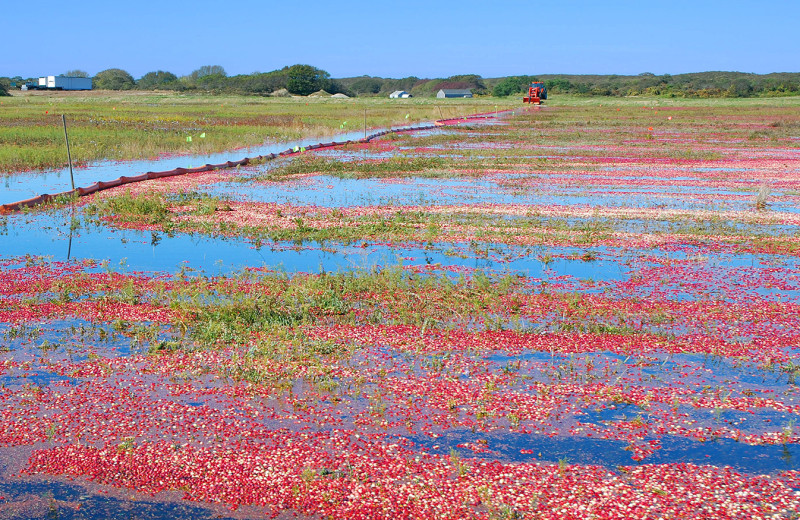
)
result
[(76, 73), (152, 209), (305, 79), (393, 166), (513, 85), (300, 80), (113, 79), (158, 80)]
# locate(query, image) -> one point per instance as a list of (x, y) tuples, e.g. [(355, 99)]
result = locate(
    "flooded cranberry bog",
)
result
[(569, 312)]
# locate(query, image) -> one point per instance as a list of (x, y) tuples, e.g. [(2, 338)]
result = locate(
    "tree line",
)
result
[(306, 79), (692, 85), (295, 79), (700, 84)]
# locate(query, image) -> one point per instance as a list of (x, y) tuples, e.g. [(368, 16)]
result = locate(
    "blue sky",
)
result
[(393, 38)]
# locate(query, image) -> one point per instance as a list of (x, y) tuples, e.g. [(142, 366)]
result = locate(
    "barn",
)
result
[(399, 94), (454, 93)]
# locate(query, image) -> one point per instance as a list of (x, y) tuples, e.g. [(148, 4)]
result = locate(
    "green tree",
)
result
[(512, 85), (305, 79), (335, 87), (740, 88), (113, 79), (5, 84), (473, 82), (558, 85), (258, 82), (213, 82), (77, 73), (367, 85), (407, 84), (208, 70), (157, 80)]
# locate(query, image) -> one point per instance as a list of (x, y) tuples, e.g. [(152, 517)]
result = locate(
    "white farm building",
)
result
[(400, 94), (60, 83), (454, 93)]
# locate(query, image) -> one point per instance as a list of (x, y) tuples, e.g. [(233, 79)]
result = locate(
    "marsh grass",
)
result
[(138, 125), (439, 301), (277, 306), (135, 125), (146, 208), (421, 166), (169, 213)]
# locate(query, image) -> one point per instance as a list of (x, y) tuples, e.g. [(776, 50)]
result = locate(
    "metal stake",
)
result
[(69, 155)]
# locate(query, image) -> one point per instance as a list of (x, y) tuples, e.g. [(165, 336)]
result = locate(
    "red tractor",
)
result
[(536, 93)]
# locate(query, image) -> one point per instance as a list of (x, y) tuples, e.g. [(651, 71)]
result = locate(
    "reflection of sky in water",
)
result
[(29, 184), (331, 191), (46, 235), (327, 190), (612, 453), (67, 501)]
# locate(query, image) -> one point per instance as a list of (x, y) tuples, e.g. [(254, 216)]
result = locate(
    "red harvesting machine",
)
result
[(536, 93)]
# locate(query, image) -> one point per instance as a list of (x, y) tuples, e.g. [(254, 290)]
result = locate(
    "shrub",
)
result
[(558, 85), (113, 79), (366, 85), (305, 79), (76, 73), (158, 80), (208, 70), (512, 85)]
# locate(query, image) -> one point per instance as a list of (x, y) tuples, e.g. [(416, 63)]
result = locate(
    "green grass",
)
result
[(149, 209), (135, 125), (420, 166)]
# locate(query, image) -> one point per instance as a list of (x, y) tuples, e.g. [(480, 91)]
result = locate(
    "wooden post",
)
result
[(69, 247), (365, 122), (69, 155)]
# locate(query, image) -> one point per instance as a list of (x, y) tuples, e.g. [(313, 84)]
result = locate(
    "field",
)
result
[(139, 125), (587, 309)]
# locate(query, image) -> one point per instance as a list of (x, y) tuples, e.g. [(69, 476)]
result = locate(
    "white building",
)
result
[(454, 93), (400, 94), (64, 83)]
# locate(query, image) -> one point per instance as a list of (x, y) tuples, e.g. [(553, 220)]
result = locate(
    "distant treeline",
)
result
[(296, 79), (700, 84), (306, 79)]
